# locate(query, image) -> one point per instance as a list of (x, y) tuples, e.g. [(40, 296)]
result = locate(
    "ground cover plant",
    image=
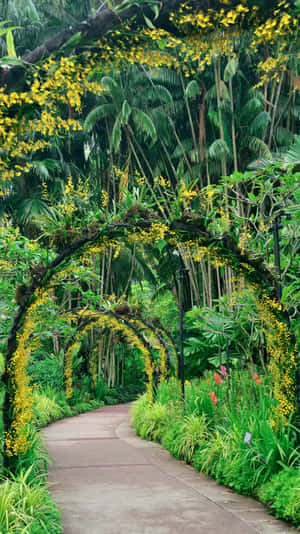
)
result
[(208, 431)]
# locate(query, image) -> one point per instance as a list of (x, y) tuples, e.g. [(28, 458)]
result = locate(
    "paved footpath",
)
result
[(108, 481)]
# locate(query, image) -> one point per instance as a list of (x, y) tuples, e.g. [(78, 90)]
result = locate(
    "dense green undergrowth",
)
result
[(208, 432)]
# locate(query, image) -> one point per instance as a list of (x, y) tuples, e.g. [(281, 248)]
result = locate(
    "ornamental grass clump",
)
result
[(186, 436), (26, 506), (155, 421)]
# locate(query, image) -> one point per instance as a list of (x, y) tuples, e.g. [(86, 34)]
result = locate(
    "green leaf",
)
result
[(161, 244), (10, 44), (155, 10), (293, 154), (2, 364), (149, 23), (231, 69), (192, 89), (5, 30), (259, 148), (72, 42), (162, 43), (116, 135), (125, 112), (12, 61)]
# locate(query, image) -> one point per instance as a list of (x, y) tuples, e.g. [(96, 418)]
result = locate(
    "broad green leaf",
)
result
[(162, 43)]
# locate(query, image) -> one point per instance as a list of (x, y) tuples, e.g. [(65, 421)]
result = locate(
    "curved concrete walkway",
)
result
[(108, 481)]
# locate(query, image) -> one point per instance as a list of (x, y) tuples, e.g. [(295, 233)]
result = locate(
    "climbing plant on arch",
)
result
[(131, 329), (191, 235)]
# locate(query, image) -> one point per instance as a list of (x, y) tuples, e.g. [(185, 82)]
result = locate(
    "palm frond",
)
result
[(293, 154), (158, 93), (259, 123), (96, 115), (144, 124), (218, 150), (259, 148)]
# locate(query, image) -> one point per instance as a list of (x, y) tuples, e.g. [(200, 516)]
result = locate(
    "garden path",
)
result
[(108, 481)]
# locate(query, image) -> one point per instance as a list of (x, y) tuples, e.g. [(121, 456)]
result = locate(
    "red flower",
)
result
[(218, 379), (257, 380), (214, 398)]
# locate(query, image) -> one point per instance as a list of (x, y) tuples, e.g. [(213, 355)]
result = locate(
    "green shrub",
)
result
[(46, 409), (282, 494), (26, 506)]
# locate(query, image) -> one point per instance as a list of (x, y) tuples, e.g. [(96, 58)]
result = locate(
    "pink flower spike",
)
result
[(223, 370), (255, 376), (258, 381)]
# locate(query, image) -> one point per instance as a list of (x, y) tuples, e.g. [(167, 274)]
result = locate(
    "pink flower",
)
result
[(255, 376), (214, 398), (223, 370), (218, 379)]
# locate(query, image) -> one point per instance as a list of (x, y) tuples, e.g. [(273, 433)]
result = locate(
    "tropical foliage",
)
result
[(167, 145)]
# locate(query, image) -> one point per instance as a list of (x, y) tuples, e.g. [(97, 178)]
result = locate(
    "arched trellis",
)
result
[(119, 323), (185, 232)]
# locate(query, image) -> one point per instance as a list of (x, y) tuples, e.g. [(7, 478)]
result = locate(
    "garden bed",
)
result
[(209, 430)]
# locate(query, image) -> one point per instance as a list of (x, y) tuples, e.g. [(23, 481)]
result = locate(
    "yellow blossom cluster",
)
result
[(244, 238), (72, 350), (155, 340), (283, 364), (18, 439), (73, 193), (157, 232)]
